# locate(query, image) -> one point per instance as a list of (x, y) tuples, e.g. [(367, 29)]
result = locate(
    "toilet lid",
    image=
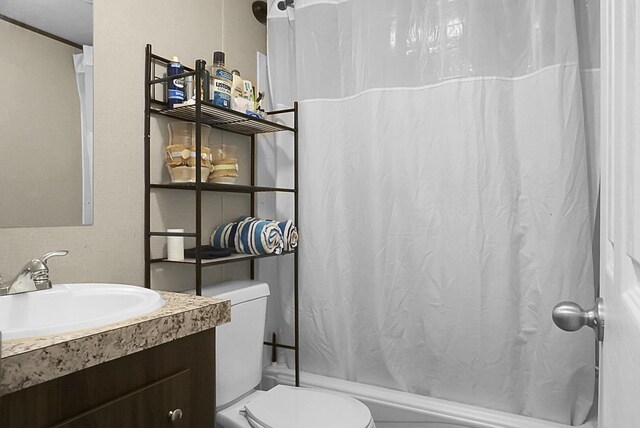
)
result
[(289, 407)]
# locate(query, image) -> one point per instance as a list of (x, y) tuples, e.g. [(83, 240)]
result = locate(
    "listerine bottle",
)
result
[(221, 82)]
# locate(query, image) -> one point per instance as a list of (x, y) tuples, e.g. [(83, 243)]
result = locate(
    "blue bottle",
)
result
[(175, 93)]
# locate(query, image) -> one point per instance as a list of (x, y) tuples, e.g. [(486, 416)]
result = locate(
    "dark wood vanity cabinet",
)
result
[(139, 390), (145, 407)]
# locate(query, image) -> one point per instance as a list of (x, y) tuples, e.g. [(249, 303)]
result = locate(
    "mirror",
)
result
[(46, 128)]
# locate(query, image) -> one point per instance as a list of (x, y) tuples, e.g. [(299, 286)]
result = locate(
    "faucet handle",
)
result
[(40, 270), (58, 253)]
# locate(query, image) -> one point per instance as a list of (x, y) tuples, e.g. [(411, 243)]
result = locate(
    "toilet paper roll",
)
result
[(175, 245)]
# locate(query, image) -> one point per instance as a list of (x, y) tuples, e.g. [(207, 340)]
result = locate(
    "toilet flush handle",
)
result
[(175, 415)]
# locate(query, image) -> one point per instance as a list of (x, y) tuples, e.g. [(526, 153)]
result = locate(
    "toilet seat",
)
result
[(289, 407)]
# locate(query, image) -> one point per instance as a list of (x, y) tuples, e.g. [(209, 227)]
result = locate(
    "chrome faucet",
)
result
[(33, 276)]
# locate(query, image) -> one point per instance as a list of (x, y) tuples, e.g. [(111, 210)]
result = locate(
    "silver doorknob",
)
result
[(175, 415), (570, 316)]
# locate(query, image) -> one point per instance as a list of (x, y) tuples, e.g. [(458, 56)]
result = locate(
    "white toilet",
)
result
[(239, 347)]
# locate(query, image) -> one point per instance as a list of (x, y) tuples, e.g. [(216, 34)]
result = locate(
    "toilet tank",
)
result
[(239, 344)]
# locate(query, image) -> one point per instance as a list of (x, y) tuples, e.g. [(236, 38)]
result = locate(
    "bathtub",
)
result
[(396, 409)]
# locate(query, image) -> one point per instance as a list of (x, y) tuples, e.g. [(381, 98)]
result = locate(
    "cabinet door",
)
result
[(148, 406)]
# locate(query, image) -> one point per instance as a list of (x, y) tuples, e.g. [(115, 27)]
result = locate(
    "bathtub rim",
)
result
[(477, 417)]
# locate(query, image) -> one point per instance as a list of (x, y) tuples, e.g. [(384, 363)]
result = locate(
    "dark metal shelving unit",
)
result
[(228, 188), (222, 260), (222, 118), (203, 112)]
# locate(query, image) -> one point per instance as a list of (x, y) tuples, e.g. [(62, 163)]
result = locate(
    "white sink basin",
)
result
[(70, 307)]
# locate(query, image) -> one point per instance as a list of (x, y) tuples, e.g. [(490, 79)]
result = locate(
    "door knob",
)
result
[(570, 316)]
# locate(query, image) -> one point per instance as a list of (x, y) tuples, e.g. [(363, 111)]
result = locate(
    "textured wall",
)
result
[(112, 249)]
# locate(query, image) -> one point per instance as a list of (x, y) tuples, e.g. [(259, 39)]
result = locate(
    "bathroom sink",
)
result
[(69, 307)]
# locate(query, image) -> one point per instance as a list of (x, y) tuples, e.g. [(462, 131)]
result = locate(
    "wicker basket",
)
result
[(184, 155), (181, 162), (187, 174), (225, 164)]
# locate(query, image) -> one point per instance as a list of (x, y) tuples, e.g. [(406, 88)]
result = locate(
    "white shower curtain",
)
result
[(444, 197)]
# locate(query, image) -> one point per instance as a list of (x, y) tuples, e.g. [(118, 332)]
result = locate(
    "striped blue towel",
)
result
[(255, 236), (289, 234), (288, 229), (224, 236)]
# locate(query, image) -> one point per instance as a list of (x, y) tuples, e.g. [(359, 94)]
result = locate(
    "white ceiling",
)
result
[(69, 19)]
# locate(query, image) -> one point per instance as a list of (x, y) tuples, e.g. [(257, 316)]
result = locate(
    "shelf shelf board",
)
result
[(223, 118), (222, 260), (224, 188)]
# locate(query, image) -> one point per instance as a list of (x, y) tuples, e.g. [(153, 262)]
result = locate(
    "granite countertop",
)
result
[(30, 361)]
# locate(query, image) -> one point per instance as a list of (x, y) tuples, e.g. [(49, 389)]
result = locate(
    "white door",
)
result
[(619, 404)]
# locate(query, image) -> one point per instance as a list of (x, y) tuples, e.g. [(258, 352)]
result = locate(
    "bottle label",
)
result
[(176, 90), (224, 74), (221, 93), (176, 94), (248, 90), (178, 83)]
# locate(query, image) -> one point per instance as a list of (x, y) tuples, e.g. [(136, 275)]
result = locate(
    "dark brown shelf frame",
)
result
[(203, 112), (222, 118), (223, 260), (222, 188)]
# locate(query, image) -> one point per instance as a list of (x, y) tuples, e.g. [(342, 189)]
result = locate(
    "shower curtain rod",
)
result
[(39, 31), (284, 4)]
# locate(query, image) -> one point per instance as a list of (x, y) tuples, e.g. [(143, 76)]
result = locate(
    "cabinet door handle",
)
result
[(175, 415)]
